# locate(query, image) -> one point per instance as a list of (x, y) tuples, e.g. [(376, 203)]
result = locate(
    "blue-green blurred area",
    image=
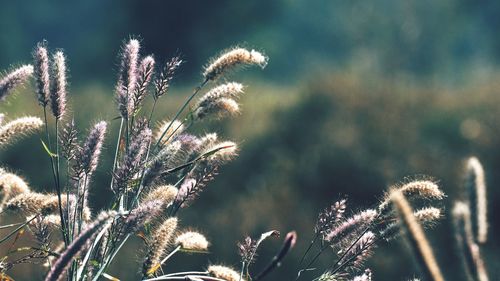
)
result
[(358, 95)]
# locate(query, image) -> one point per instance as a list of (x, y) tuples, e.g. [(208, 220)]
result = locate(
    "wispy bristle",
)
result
[(142, 215), (58, 90), (13, 79), (421, 247), (219, 101), (329, 217), (164, 193), (224, 273), (355, 224), (231, 59), (476, 186), (192, 241), (127, 78), (42, 76), (18, 128), (168, 131)]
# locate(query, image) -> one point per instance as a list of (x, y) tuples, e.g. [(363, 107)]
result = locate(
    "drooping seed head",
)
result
[(476, 186), (428, 214), (42, 75), (224, 273), (13, 79), (192, 241), (219, 102), (58, 89), (11, 185), (142, 215), (355, 224), (18, 128), (420, 189), (232, 59)]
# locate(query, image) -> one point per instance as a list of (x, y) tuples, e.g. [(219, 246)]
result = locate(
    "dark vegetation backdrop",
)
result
[(357, 95)]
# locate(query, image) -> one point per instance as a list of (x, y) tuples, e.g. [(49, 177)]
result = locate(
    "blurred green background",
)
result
[(357, 96)]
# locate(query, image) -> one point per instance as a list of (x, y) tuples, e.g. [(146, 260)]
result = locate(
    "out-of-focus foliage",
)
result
[(357, 95)]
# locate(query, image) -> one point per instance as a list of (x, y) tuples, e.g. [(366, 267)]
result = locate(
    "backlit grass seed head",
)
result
[(217, 109), (14, 78), (145, 72), (11, 185), (420, 246), (158, 244), (164, 193), (91, 149), (30, 203), (356, 223), (127, 77), (361, 250), (422, 189), (165, 76), (59, 84), (476, 186), (192, 241), (330, 216), (62, 263), (222, 151), (42, 75), (428, 214), (175, 129), (232, 59), (224, 273), (142, 215), (18, 128)]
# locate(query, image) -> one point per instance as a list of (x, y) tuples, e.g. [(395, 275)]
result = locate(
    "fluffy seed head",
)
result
[(165, 193), (219, 101), (192, 241), (224, 273), (428, 214), (168, 131), (355, 224), (89, 155), (18, 128), (127, 79), (142, 215), (42, 76), (14, 78), (11, 185), (231, 59), (145, 72), (162, 81), (58, 91), (422, 189), (366, 276), (158, 244), (476, 186)]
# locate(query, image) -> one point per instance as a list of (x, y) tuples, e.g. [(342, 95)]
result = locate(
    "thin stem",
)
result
[(180, 111), (17, 229)]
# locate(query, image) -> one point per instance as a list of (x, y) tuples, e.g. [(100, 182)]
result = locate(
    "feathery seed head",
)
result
[(91, 149), (42, 76), (422, 189), (158, 244), (231, 59), (476, 185), (219, 101), (168, 131), (58, 91), (142, 215), (162, 81), (192, 241), (330, 216), (127, 79), (18, 128), (428, 214), (145, 72), (354, 224), (366, 276), (224, 273), (165, 193), (13, 79), (11, 185)]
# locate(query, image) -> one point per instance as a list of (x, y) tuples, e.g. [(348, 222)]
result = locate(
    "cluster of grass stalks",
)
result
[(159, 168)]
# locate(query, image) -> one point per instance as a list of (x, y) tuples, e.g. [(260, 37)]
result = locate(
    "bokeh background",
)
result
[(357, 96)]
